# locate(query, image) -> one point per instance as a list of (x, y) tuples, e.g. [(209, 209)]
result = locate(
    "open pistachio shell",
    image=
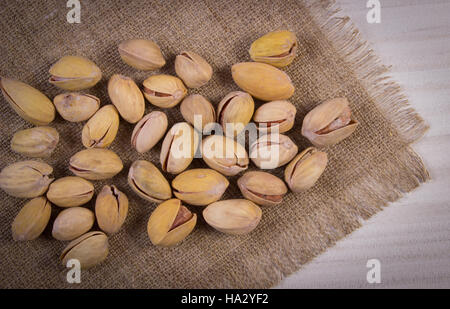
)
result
[(70, 191), (89, 249), (305, 169), (75, 106), (329, 123), (277, 48), (101, 130), (74, 73), (178, 148), (272, 150), (170, 223), (262, 188), (199, 186), (275, 115), (147, 181), (237, 216), (28, 102), (193, 69), (148, 131), (163, 90), (32, 219), (26, 179), (224, 154), (111, 209)]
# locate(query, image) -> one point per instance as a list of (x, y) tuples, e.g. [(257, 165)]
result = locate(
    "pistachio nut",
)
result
[(237, 216), (275, 115), (142, 54), (147, 181), (70, 191), (193, 69), (95, 164), (36, 142), (75, 106), (100, 131), (170, 223), (329, 123), (199, 187), (28, 102), (72, 223), (126, 97), (272, 150), (32, 219), (178, 148), (262, 188), (148, 131), (163, 90), (111, 209), (198, 107), (235, 111), (306, 168), (90, 249), (74, 73), (277, 48), (262, 81), (224, 154), (26, 179)]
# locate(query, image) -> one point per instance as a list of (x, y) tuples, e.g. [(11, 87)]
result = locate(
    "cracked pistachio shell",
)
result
[(141, 54), (111, 209), (36, 142), (277, 48), (100, 131), (272, 150), (75, 106), (237, 216), (235, 111), (32, 219), (126, 97), (147, 181), (70, 191), (74, 73), (170, 223), (148, 131), (193, 69), (164, 91), (275, 115), (329, 123), (26, 179), (72, 223), (262, 188), (178, 148), (199, 187), (28, 102), (263, 81), (305, 169), (95, 164), (90, 249), (224, 154), (198, 106)]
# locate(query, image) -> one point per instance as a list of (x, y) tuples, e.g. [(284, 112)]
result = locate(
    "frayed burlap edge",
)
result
[(386, 182)]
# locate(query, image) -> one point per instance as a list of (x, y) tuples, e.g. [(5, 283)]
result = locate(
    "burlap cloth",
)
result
[(373, 167)]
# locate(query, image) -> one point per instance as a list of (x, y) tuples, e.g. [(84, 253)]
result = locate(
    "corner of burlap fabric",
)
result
[(367, 171)]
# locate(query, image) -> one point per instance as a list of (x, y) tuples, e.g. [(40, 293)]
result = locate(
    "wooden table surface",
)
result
[(410, 238)]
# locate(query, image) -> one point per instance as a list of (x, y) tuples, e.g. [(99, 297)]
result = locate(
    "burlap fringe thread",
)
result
[(403, 171)]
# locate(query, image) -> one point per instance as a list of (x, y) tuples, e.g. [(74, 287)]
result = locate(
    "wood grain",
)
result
[(411, 237)]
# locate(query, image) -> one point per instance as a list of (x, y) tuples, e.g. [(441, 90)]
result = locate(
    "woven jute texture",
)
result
[(368, 170)]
